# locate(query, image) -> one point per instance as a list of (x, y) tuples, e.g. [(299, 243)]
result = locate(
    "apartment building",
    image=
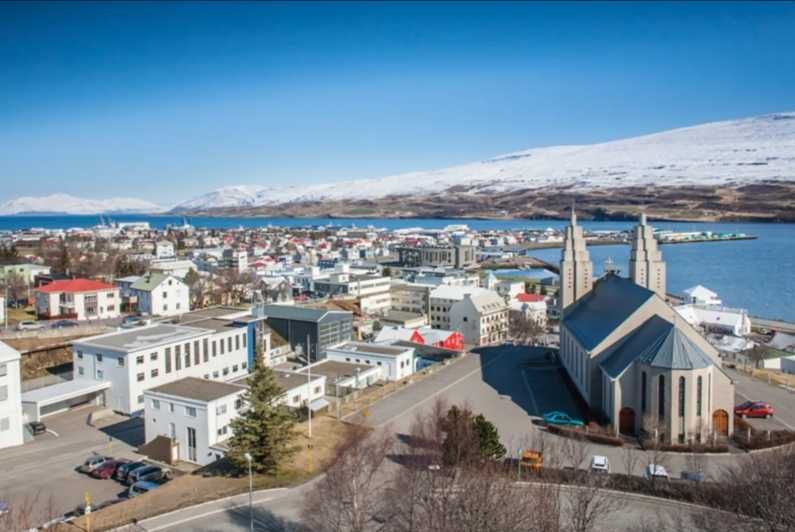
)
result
[(456, 256), (77, 299), (157, 294), (218, 347), (10, 398), (408, 297), (371, 290), (480, 315)]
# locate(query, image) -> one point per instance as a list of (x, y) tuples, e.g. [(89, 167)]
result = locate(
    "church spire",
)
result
[(576, 269), (646, 265)]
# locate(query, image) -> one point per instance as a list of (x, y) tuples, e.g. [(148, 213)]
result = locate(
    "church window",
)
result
[(699, 386), (661, 397), (682, 397), (643, 392)]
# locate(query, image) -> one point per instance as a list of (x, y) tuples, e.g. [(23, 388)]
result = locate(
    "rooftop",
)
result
[(75, 285), (297, 313), (334, 370), (143, 337), (376, 349), (198, 389), (8, 353)]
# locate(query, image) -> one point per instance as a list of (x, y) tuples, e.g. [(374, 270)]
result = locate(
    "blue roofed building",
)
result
[(631, 357)]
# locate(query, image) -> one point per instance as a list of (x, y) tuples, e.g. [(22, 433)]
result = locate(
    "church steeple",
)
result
[(646, 265), (576, 269)]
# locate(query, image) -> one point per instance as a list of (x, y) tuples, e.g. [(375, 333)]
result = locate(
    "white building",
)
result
[(220, 347), (479, 314), (700, 295), (164, 249), (2, 311), (300, 391), (176, 267), (396, 362), (195, 414), (732, 321), (531, 306), (10, 398), (160, 294), (78, 299), (236, 259), (371, 290)]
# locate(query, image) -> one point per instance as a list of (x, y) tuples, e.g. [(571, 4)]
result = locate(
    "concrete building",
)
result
[(25, 272), (164, 249), (194, 415), (576, 269), (218, 347), (634, 360), (370, 290), (480, 315), (408, 297), (396, 362), (160, 294), (531, 307), (177, 267), (321, 328), (646, 266), (11, 422), (78, 299), (235, 259), (455, 256)]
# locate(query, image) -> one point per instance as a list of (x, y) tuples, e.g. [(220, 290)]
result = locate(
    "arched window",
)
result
[(661, 397), (699, 386), (681, 397), (643, 392)]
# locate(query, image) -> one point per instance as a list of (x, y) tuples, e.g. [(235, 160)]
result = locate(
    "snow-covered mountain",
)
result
[(719, 153), (66, 204)]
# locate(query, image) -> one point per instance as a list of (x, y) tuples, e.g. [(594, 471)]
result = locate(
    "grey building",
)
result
[(321, 328), (455, 256)]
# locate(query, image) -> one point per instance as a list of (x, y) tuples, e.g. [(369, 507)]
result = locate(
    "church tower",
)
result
[(576, 270), (646, 266)]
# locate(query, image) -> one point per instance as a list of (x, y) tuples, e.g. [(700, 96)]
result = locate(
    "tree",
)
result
[(461, 445), (266, 429), (63, 264), (9, 254), (489, 438), (523, 329), (387, 271)]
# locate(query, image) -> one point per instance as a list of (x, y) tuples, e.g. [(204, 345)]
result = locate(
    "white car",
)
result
[(29, 325), (653, 471), (600, 464)]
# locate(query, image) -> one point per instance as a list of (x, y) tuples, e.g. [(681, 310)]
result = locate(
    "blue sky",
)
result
[(168, 101)]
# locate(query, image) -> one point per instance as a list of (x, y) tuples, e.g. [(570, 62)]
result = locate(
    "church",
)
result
[(631, 357)]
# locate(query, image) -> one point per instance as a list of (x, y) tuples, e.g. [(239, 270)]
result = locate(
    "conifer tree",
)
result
[(489, 438), (266, 429)]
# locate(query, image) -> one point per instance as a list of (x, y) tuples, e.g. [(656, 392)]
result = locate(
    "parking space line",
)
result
[(530, 392)]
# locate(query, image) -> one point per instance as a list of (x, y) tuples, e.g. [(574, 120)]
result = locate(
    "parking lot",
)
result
[(40, 476)]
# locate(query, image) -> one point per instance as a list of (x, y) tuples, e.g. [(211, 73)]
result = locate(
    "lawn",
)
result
[(191, 489)]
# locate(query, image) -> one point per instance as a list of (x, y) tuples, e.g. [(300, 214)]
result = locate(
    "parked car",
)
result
[(151, 473), (141, 487), (754, 409), (4, 508), (125, 469), (64, 324), (130, 322), (695, 476), (531, 459), (108, 469), (29, 325), (37, 427), (93, 462), (655, 471), (562, 418), (600, 464)]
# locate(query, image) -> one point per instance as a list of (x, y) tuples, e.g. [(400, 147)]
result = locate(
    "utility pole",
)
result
[(309, 392)]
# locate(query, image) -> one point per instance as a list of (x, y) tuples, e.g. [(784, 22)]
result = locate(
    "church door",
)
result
[(720, 422), (626, 421)]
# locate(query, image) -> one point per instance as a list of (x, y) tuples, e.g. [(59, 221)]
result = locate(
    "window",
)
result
[(187, 349), (153, 356), (187, 358), (207, 376), (226, 371), (155, 372), (296, 399), (165, 306), (216, 374), (3, 392), (156, 404), (661, 397), (99, 358), (238, 403), (140, 377), (205, 350), (178, 357), (699, 387), (100, 374), (220, 410), (190, 411), (229, 344), (244, 339), (120, 362), (168, 359), (165, 295), (643, 392), (5, 424), (237, 343), (243, 364), (196, 354), (80, 355), (214, 346), (682, 397), (141, 399), (139, 359), (171, 407), (222, 345), (223, 430), (234, 368), (317, 389), (81, 371)]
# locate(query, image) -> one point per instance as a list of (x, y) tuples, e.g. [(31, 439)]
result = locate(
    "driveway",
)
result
[(41, 474)]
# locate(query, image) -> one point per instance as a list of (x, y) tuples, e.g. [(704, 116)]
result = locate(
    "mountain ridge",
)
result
[(68, 204)]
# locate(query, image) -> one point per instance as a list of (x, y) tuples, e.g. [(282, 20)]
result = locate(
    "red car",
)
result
[(108, 469), (754, 409)]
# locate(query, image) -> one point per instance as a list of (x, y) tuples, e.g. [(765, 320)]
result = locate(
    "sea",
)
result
[(758, 275)]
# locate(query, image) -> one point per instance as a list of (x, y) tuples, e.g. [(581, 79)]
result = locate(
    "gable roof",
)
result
[(297, 313), (75, 285), (149, 282), (611, 301), (657, 343)]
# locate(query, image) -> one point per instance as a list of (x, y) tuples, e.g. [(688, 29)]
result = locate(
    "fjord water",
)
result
[(755, 274)]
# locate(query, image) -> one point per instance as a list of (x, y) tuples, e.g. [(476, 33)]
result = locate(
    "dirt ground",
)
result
[(190, 489)]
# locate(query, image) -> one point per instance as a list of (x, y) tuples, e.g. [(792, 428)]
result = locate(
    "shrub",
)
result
[(567, 432)]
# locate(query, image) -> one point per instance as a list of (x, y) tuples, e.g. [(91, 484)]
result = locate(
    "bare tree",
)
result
[(574, 452), (523, 329), (587, 503), (351, 495), (630, 459)]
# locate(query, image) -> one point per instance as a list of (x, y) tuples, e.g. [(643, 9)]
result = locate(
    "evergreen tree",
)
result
[(460, 445), (266, 429), (489, 438)]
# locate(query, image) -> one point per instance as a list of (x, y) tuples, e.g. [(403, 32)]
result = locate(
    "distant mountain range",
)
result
[(66, 204), (709, 171), (738, 169)]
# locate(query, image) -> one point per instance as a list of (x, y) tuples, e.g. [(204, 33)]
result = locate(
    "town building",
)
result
[(409, 297), (531, 307), (701, 295), (78, 299), (176, 267), (479, 314), (164, 249), (396, 362), (370, 290), (156, 294), (634, 360), (235, 259), (26, 272), (11, 422), (455, 256), (309, 330), (425, 335)]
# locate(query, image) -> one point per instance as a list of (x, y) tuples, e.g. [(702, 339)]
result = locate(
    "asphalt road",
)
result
[(782, 400)]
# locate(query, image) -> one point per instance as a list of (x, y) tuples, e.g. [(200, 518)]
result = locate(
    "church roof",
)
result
[(657, 343), (611, 301)]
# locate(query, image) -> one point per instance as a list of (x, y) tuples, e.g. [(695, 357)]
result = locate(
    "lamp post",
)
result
[(250, 494)]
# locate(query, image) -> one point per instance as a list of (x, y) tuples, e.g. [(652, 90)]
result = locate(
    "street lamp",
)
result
[(250, 494)]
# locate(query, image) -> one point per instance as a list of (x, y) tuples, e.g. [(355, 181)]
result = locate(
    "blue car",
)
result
[(562, 418)]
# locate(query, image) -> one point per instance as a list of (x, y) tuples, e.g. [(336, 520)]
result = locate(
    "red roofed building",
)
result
[(77, 299), (530, 298)]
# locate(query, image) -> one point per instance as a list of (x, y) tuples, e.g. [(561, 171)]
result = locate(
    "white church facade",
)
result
[(632, 358)]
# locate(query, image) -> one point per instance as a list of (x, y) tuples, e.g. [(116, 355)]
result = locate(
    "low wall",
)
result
[(82, 330)]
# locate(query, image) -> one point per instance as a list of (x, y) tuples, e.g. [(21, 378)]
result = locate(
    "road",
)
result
[(782, 400)]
